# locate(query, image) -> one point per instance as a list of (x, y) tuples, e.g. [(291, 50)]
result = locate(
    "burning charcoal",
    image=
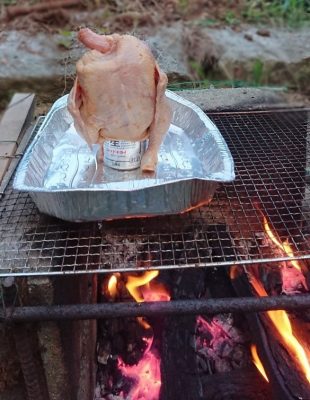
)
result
[(222, 365), (97, 393), (272, 280), (227, 349), (218, 346), (193, 342), (202, 365), (104, 352), (118, 344), (294, 281), (240, 357)]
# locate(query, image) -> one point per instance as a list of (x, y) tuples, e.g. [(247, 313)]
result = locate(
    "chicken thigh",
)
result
[(119, 93)]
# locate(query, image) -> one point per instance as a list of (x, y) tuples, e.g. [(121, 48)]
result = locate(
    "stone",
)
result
[(168, 46), (249, 37), (263, 32), (45, 63), (36, 63), (235, 99), (283, 58)]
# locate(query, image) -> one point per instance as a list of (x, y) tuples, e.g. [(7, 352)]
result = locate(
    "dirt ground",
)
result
[(118, 16)]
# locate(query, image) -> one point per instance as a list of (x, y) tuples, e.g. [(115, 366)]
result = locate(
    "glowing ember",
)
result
[(220, 342), (112, 286), (258, 362), (146, 375), (216, 330), (282, 324), (155, 292)]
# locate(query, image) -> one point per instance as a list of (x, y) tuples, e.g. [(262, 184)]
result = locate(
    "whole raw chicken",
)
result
[(119, 94)]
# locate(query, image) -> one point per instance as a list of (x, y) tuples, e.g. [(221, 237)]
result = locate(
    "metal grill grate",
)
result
[(272, 158)]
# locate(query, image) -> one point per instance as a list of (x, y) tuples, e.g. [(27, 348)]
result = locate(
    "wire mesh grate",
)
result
[(272, 159)]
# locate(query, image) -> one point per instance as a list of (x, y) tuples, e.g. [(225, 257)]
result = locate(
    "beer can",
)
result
[(123, 155)]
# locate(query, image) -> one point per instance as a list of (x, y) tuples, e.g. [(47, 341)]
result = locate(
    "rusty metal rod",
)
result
[(115, 310)]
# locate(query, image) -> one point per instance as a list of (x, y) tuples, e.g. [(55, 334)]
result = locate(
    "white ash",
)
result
[(226, 346), (120, 251)]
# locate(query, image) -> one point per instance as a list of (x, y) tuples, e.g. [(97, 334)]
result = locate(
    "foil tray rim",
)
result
[(228, 175)]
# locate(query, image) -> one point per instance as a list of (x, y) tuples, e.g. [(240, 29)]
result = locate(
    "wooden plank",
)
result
[(7, 151), (15, 120)]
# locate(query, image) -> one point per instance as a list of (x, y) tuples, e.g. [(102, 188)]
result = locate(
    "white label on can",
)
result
[(121, 154)]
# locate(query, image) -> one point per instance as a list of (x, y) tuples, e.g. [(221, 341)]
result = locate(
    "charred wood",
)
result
[(245, 384), (179, 358)]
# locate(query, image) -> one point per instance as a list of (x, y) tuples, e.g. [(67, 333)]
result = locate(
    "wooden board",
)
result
[(15, 120)]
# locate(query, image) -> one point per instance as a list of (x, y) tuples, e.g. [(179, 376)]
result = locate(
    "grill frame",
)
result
[(46, 246)]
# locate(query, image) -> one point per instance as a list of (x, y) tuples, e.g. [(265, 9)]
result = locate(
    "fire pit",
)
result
[(259, 222)]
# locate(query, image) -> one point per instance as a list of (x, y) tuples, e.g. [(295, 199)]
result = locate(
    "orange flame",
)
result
[(285, 247), (112, 286), (149, 291), (134, 282), (234, 272), (282, 324), (258, 362)]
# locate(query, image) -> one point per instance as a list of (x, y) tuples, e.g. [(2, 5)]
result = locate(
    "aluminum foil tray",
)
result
[(63, 178)]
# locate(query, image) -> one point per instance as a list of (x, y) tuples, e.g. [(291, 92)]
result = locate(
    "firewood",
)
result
[(15, 11)]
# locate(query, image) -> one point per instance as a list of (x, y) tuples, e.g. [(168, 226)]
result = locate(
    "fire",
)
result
[(155, 292), (282, 324), (149, 291), (293, 280), (285, 247), (146, 373), (234, 272), (112, 286), (258, 362), (134, 282)]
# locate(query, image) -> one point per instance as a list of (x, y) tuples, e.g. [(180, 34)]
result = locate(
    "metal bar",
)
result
[(250, 263), (177, 307), (267, 111)]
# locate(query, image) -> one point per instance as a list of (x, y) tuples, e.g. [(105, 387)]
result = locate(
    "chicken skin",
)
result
[(119, 94)]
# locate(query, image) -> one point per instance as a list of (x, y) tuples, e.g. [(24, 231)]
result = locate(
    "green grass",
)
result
[(292, 13), (287, 13), (258, 72)]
